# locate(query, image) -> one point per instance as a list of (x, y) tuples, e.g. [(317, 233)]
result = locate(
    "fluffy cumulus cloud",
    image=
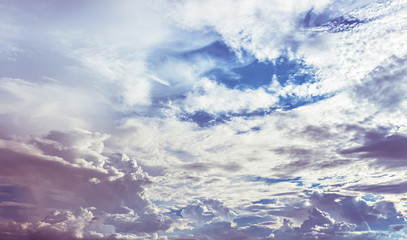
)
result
[(203, 119), (62, 184)]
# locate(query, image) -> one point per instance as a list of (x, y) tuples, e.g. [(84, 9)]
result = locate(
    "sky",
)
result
[(206, 120)]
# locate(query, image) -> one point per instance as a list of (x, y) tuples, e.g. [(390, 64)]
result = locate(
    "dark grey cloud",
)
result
[(389, 151), (303, 158), (317, 133), (391, 188)]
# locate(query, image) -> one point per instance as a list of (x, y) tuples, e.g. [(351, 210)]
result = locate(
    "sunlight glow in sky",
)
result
[(203, 119)]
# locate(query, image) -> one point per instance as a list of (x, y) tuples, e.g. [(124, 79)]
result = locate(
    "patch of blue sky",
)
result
[(182, 68), (245, 72), (270, 181), (380, 176), (176, 212), (251, 220), (294, 72), (253, 129), (265, 201), (333, 23), (204, 119), (342, 24), (317, 185), (216, 49), (372, 198), (252, 76), (260, 74), (10, 193), (324, 178), (293, 101)]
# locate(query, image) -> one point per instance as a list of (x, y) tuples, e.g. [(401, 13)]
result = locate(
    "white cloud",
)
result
[(345, 58), (36, 108), (213, 98), (261, 28)]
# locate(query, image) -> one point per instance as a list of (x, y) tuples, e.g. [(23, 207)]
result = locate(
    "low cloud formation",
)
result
[(62, 184), (320, 225)]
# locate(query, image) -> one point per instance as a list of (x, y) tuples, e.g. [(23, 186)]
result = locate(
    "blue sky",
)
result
[(232, 119)]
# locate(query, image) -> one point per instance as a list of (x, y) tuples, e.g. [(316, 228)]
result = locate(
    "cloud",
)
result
[(48, 106), (244, 25), (357, 219), (213, 98), (65, 172), (335, 54), (385, 84), (64, 225), (389, 151), (204, 120), (379, 216), (319, 224), (394, 188)]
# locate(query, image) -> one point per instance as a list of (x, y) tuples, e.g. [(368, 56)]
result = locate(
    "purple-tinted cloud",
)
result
[(389, 151), (320, 225), (68, 175), (392, 188)]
